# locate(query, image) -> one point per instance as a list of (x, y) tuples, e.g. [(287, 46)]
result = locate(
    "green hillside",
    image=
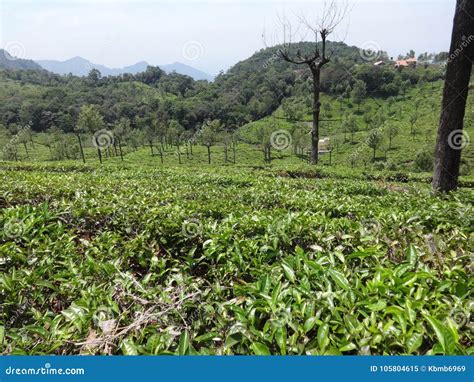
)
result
[(255, 98), (152, 214), (415, 115)]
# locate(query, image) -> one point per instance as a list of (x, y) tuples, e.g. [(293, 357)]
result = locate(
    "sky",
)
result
[(209, 35)]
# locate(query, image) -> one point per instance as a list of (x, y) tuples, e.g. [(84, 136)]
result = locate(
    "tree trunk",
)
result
[(316, 71), (458, 71), (81, 149), (120, 148), (209, 154), (151, 148), (100, 155)]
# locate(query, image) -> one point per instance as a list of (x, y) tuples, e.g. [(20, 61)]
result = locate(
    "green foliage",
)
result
[(252, 89), (210, 132), (392, 131), (89, 120), (424, 160), (359, 92), (126, 259), (374, 139), (262, 255)]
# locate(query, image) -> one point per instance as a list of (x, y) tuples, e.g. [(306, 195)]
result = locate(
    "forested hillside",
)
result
[(247, 104), (250, 90)]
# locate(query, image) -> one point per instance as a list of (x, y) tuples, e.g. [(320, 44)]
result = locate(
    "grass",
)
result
[(129, 258)]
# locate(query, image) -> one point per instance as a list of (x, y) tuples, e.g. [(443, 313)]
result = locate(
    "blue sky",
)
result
[(209, 35)]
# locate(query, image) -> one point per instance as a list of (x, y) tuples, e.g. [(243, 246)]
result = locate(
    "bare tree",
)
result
[(450, 132), (332, 14)]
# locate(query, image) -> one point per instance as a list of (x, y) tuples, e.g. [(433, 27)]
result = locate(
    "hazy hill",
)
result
[(187, 70), (9, 62), (81, 67)]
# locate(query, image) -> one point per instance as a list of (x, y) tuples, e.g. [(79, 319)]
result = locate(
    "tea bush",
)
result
[(141, 260)]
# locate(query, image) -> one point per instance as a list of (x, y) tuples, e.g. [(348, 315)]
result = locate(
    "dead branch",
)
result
[(112, 333)]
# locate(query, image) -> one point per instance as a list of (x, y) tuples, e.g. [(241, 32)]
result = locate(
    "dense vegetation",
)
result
[(138, 260), (250, 90), (190, 229), (375, 116), (405, 124)]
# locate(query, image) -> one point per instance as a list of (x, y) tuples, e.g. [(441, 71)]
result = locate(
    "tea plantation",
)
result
[(129, 259)]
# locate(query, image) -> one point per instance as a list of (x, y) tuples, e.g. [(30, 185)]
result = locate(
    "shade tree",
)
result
[(289, 51), (89, 121), (374, 140)]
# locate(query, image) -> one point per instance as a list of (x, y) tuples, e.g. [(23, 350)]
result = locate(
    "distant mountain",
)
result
[(75, 65), (180, 68), (9, 62), (81, 67)]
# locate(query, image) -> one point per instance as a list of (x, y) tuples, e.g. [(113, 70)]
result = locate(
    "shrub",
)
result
[(424, 160), (379, 166), (391, 166), (465, 169)]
